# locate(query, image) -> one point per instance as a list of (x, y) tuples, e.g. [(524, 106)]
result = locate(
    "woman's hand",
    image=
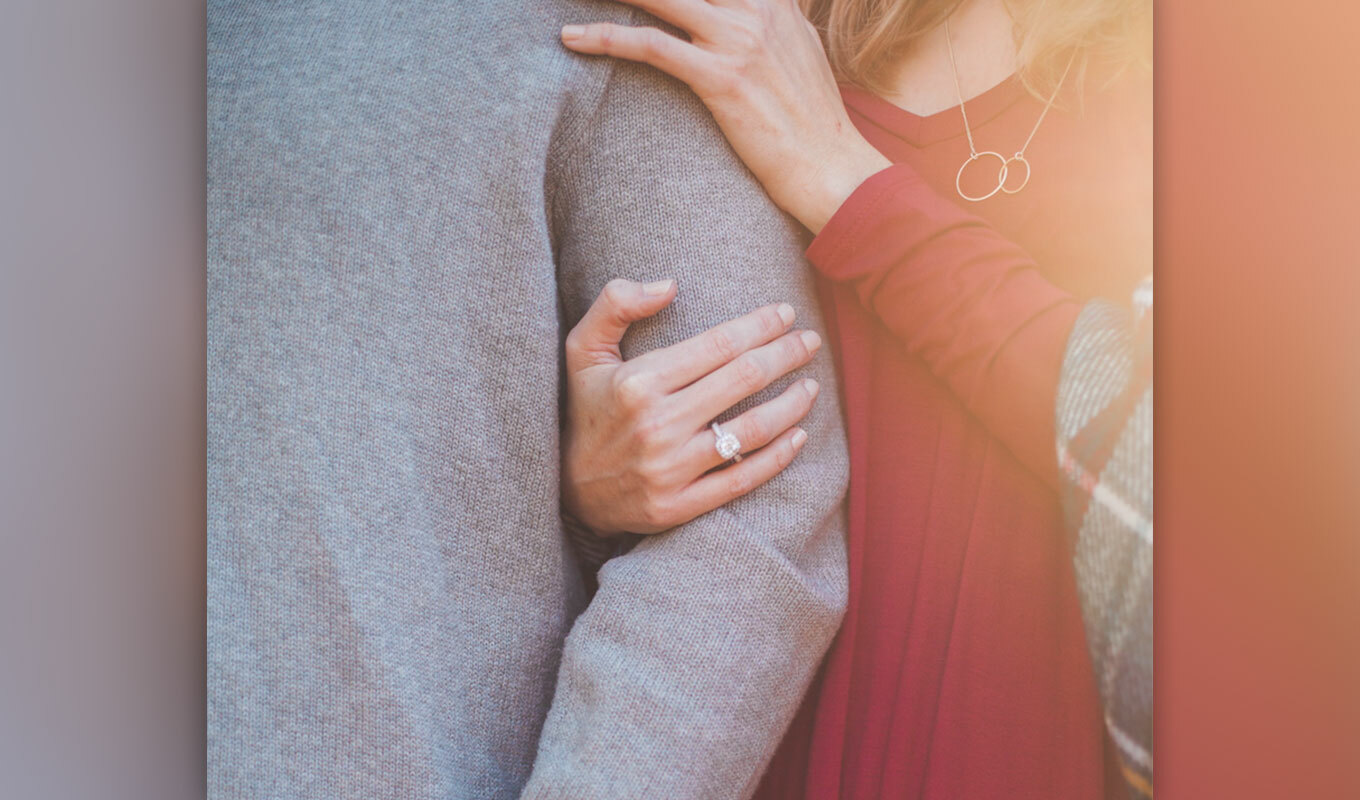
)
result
[(760, 68), (638, 454)]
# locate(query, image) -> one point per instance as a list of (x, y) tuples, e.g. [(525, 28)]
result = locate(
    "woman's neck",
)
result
[(984, 48)]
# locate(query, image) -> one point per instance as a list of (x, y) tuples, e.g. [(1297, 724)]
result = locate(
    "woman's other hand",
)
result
[(638, 453), (760, 68)]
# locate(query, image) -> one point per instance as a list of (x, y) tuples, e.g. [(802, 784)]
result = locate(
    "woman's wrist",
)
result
[(836, 178)]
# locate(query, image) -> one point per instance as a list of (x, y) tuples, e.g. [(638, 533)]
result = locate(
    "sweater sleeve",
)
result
[(1105, 450), (685, 669), (960, 296)]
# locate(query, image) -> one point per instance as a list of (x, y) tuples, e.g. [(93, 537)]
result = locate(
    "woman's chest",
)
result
[(1083, 211)]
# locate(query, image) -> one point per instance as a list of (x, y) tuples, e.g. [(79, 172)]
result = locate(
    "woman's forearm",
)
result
[(966, 300)]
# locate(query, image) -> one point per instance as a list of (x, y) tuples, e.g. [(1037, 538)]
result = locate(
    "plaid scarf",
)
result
[(1104, 427)]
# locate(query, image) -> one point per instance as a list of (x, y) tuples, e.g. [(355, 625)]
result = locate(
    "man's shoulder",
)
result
[(502, 39), (527, 32), (475, 59)]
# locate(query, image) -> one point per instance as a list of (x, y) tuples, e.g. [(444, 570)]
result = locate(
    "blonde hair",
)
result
[(864, 38)]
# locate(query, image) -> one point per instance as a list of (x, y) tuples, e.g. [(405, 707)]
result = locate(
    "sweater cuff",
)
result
[(834, 251)]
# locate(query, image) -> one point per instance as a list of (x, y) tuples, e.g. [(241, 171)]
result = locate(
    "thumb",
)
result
[(595, 339)]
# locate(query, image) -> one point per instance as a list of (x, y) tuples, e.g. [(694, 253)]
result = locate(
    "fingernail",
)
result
[(812, 387), (799, 436), (811, 341), (570, 32), (656, 287), (786, 313)]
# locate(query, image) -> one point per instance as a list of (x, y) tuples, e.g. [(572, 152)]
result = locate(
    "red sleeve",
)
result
[(960, 296)]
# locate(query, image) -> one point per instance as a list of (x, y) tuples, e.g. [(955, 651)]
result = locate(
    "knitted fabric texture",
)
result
[(409, 204), (1105, 453)]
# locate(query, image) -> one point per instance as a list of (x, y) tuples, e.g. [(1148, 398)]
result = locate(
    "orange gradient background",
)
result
[(1258, 400)]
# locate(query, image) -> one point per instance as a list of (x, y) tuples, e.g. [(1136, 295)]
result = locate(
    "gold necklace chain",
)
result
[(973, 155)]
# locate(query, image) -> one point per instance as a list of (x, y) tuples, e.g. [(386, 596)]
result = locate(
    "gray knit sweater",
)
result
[(409, 204)]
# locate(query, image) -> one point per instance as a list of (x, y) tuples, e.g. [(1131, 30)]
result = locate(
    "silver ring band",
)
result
[(727, 444)]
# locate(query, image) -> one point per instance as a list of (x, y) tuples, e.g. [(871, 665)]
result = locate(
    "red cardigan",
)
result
[(961, 670)]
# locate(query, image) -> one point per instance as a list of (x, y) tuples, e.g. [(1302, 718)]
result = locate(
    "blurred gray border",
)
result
[(101, 399)]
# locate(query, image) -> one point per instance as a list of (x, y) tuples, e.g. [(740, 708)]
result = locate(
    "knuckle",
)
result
[(573, 341), (649, 42), (632, 390), (721, 346), (653, 479), (605, 35), (657, 513), (743, 78), (749, 373), (746, 39), (615, 292), (756, 429), (770, 321), (738, 483)]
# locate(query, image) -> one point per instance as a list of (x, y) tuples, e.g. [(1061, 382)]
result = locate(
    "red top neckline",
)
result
[(922, 131)]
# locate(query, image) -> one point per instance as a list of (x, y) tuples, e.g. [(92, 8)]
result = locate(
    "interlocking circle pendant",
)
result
[(1002, 172), (1018, 158)]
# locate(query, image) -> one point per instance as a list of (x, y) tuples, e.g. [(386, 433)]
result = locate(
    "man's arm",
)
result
[(682, 675)]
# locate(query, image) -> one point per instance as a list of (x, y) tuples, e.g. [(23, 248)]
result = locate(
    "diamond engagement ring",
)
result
[(728, 445)]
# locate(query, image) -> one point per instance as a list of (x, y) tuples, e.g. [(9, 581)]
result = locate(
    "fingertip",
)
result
[(571, 33), (658, 288), (786, 313), (812, 387), (799, 438), (811, 341)]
